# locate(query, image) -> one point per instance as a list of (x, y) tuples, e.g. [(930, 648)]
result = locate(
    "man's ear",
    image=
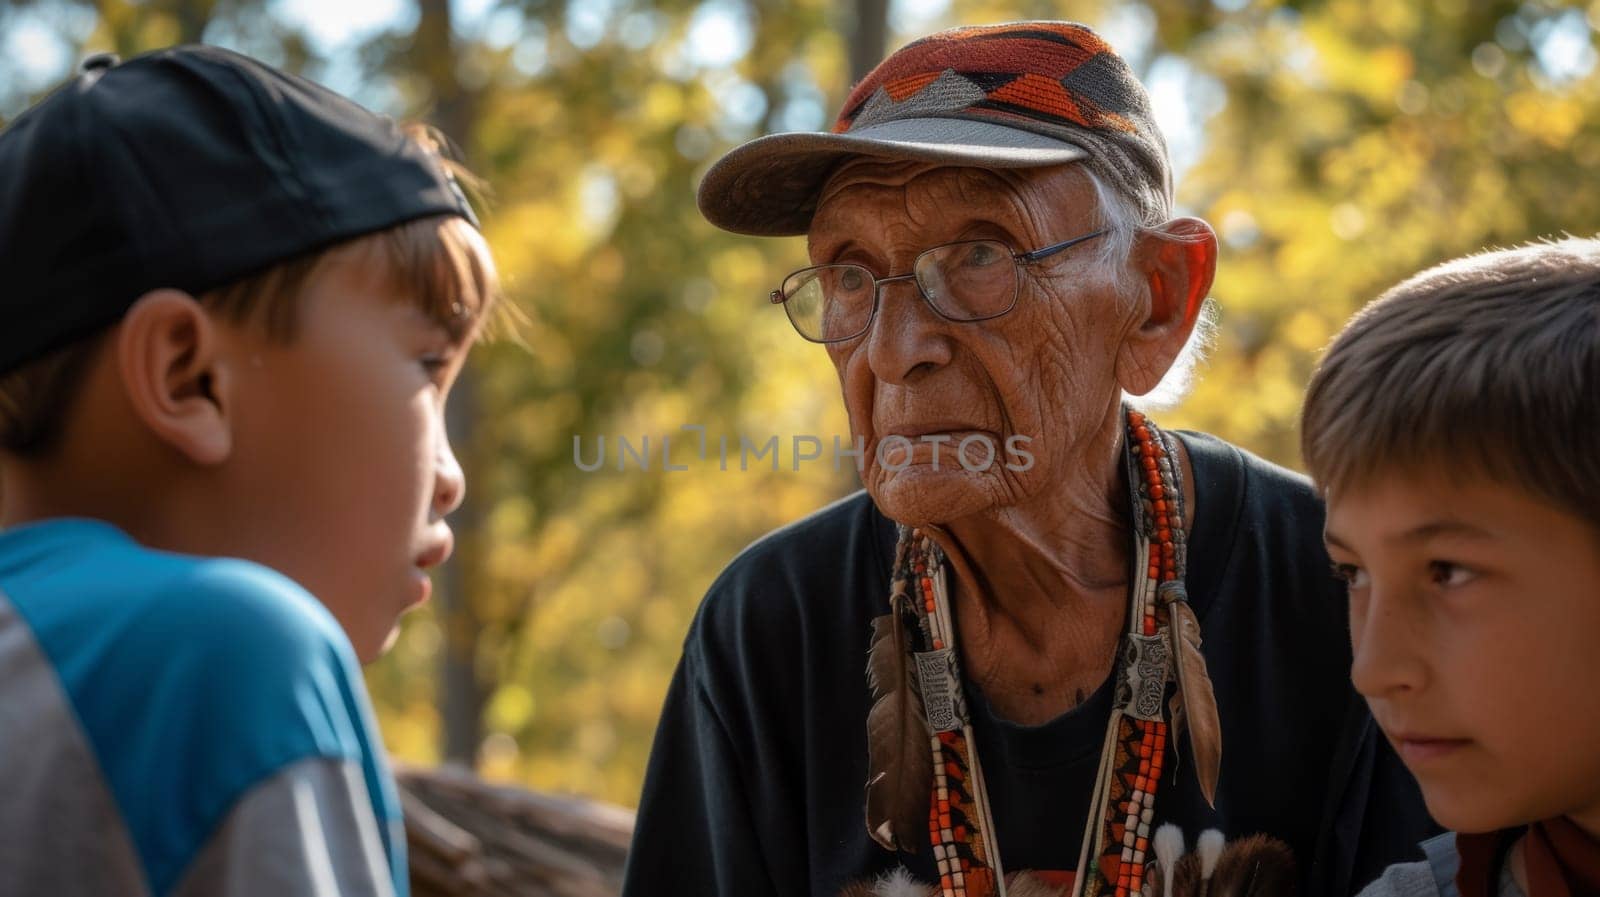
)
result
[(1176, 263), (168, 355)]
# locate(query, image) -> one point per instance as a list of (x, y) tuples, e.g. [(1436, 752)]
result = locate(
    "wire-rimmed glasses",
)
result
[(973, 280)]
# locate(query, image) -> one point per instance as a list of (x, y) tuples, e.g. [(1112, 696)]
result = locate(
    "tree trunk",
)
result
[(869, 37), (193, 16), (462, 689)]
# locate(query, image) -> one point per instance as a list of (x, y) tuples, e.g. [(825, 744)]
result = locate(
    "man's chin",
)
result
[(919, 495)]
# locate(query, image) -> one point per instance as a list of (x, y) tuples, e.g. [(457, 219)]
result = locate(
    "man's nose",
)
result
[(908, 339)]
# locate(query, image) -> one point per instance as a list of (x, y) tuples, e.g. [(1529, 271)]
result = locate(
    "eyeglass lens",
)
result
[(966, 281)]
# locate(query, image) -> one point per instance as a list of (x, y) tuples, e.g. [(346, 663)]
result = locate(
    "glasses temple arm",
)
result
[(1048, 251)]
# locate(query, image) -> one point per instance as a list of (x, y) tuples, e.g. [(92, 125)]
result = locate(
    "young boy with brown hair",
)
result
[(1453, 430), (234, 305)]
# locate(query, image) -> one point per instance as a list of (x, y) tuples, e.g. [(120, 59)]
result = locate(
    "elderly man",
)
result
[(1000, 665)]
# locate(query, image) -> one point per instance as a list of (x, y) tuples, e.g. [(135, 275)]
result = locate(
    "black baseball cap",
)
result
[(189, 168)]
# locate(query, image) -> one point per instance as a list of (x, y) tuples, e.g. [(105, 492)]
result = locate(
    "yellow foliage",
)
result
[(511, 708), (1306, 331), (1552, 120), (663, 104)]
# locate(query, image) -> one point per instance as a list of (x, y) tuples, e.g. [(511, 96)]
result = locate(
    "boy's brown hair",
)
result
[(1488, 364), (439, 262)]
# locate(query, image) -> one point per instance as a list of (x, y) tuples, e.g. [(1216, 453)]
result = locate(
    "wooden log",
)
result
[(470, 838)]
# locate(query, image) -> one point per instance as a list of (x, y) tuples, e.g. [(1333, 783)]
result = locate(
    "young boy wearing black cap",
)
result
[(235, 303)]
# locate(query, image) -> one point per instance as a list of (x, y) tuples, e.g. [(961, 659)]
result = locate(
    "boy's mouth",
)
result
[(437, 552), (423, 587), (1415, 748)]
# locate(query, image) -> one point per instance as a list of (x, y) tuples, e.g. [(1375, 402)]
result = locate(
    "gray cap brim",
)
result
[(769, 187)]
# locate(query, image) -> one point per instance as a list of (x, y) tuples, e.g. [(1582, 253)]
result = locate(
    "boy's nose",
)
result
[(1384, 645), (449, 481)]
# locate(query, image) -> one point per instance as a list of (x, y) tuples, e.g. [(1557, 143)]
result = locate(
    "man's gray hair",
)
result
[(1124, 218)]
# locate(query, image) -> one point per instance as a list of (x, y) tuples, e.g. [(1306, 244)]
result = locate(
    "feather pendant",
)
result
[(899, 753), (1199, 702), (1175, 708)]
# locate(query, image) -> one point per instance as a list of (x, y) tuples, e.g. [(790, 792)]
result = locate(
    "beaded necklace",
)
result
[(916, 679)]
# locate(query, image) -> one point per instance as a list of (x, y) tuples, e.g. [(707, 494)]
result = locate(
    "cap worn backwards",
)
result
[(189, 168)]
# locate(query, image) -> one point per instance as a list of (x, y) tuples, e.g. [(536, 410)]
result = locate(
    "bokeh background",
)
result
[(1336, 146)]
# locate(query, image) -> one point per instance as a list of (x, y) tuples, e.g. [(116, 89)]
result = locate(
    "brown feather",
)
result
[(1175, 706), (899, 755), (1199, 701)]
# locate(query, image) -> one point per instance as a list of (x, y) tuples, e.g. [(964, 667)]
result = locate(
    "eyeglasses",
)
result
[(973, 280)]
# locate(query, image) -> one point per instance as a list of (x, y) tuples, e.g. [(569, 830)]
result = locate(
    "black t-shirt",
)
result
[(756, 782)]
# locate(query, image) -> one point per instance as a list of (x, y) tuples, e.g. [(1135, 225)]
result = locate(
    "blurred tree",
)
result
[(869, 36)]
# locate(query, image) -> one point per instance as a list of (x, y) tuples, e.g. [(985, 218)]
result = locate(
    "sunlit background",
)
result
[(1336, 146)]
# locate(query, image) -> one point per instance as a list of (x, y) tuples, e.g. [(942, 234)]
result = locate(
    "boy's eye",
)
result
[(1352, 576), (1448, 575)]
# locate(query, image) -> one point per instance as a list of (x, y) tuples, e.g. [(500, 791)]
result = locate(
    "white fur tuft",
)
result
[(899, 883), (1210, 848), (1168, 844)]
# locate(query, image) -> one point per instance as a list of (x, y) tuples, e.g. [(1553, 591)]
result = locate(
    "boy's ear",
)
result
[(1176, 264), (167, 354)]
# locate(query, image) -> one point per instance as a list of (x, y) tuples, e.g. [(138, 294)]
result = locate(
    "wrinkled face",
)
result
[(340, 450), (1039, 379), (1475, 622)]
